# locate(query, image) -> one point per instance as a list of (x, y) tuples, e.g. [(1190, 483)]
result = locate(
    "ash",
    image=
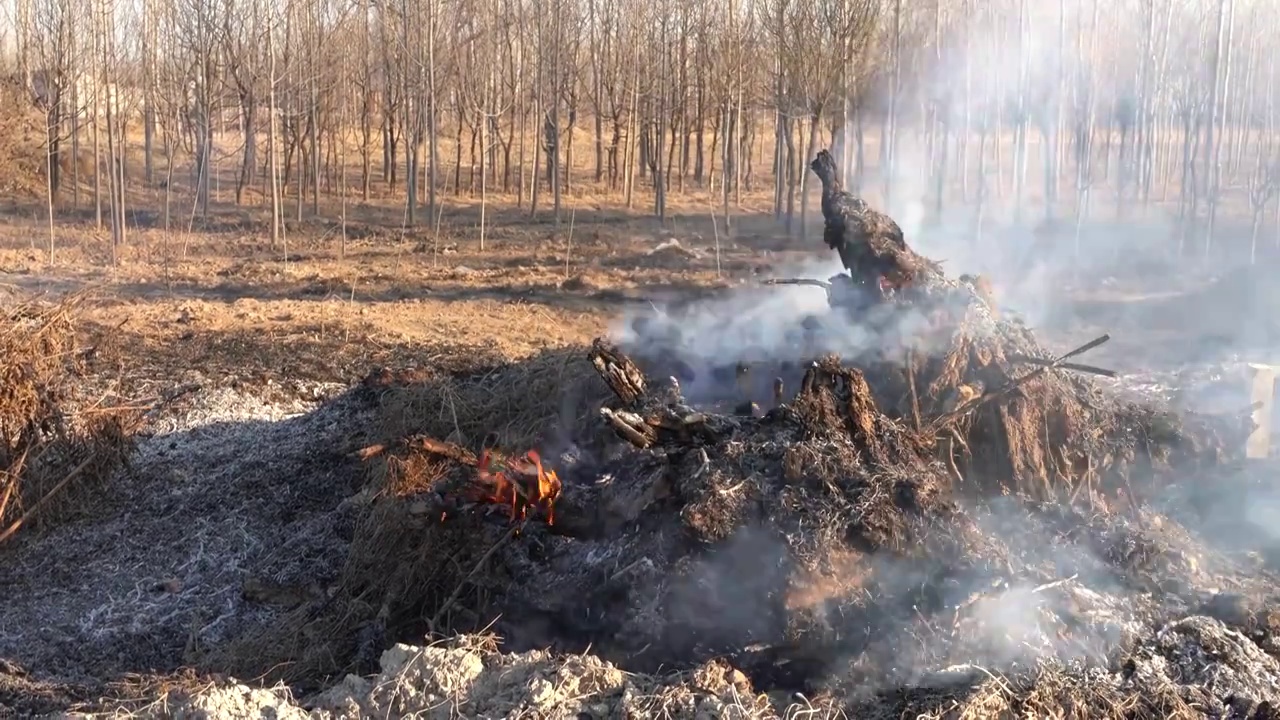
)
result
[(226, 489)]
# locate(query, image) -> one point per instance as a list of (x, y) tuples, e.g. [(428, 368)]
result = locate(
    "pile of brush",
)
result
[(963, 498), (56, 443)]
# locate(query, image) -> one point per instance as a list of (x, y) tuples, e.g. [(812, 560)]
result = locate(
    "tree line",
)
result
[(1050, 110)]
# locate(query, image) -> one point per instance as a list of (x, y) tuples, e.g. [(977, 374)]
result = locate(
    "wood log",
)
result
[(618, 372), (646, 421), (630, 427), (449, 450), (667, 426)]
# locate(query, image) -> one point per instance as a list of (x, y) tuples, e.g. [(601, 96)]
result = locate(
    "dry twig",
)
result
[(457, 591)]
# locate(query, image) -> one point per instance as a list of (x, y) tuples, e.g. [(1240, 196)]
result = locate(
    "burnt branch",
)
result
[(618, 372)]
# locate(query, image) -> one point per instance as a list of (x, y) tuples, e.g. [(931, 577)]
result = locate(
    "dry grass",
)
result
[(383, 582), (56, 445), (545, 399)]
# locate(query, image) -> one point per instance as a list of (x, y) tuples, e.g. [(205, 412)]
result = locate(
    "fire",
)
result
[(520, 484)]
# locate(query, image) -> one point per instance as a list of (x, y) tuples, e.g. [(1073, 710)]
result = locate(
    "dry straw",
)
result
[(56, 444), (538, 401)]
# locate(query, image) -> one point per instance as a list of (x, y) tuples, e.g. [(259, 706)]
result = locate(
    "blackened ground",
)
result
[(227, 495)]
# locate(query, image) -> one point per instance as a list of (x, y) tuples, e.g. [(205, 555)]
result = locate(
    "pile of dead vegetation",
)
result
[(907, 527), (538, 402), (58, 443)]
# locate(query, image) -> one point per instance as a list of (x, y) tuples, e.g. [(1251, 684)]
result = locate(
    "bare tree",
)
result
[(1141, 101), (104, 32), (1263, 186), (51, 47), (198, 42), (242, 35), (277, 210), (1212, 176)]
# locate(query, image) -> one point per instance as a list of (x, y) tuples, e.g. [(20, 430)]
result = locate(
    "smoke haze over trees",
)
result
[(958, 110)]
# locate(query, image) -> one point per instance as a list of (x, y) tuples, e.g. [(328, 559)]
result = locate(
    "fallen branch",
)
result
[(14, 475), (630, 427), (457, 591), (1012, 386), (911, 383), (1054, 584), (667, 425), (618, 371), (147, 406), (370, 451), (425, 443), (8, 493), (1090, 369), (810, 282)]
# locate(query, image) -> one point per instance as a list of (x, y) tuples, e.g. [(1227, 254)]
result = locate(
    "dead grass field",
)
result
[(351, 285), (319, 316)]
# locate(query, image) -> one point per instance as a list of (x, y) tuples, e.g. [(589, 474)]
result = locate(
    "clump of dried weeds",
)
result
[(57, 444), (518, 405), (546, 401)]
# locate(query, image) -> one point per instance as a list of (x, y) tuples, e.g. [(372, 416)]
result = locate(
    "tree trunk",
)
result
[(792, 180), (249, 158), (805, 184), (1211, 174)]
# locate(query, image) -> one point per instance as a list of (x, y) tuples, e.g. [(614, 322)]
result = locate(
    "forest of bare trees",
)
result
[(1033, 111)]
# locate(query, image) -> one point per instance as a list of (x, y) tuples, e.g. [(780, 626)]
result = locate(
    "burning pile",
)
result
[(521, 483), (948, 502)]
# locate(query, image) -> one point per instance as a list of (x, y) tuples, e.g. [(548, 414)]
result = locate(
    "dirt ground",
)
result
[(238, 504)]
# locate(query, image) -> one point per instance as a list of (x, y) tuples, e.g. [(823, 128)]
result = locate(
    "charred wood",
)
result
[(618, 372), (668, 425)]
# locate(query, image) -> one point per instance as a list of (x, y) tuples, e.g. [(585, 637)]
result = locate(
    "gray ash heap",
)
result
[(890, 528)]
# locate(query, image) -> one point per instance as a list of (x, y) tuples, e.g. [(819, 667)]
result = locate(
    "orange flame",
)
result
[(521, 488)]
